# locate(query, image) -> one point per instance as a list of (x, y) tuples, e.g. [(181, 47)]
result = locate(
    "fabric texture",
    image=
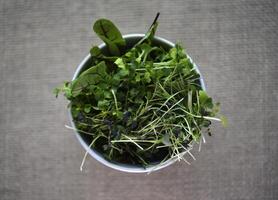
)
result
[(233, 42)]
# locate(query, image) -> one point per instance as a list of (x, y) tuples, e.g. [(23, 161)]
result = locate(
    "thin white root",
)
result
[(85, 156), (200, 145)]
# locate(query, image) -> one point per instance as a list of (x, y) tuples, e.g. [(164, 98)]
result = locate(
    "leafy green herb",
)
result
[(141, 105), (110, 34)]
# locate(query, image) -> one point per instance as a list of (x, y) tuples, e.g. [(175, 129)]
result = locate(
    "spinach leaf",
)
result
[(91, 76), (110, 34), (95, 52), (98, 56)]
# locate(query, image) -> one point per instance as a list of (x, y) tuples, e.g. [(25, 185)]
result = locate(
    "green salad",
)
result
[(139, 105)]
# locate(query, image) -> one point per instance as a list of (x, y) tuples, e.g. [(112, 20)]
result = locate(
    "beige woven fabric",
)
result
[(234, 43)]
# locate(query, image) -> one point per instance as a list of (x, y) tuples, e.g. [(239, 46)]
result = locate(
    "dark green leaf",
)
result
[(91, 76), (95, 51), (110, 34), (87, 108)]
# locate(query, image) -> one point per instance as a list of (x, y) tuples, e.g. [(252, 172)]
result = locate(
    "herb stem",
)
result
[(115, 99)]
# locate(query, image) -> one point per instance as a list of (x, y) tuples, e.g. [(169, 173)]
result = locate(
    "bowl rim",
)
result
[(96, 155)]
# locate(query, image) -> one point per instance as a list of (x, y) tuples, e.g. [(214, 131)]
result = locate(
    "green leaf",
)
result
[(123, 72), (74, 111), (147, 77), (64, 88), (110, 34), (103, 104), (177, 53), (203, 96), (196, 136), (89, 77), (95, 51), (99, 69), (224, 121), (119, 114), (107, 94), (120, 63), (87, 108), (173, 53), (138, 77), (180, 52)]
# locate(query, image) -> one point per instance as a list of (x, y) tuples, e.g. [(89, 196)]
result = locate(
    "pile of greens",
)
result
[(139, 105)]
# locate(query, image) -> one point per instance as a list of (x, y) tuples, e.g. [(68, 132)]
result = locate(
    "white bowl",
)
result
[(131, 39)]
